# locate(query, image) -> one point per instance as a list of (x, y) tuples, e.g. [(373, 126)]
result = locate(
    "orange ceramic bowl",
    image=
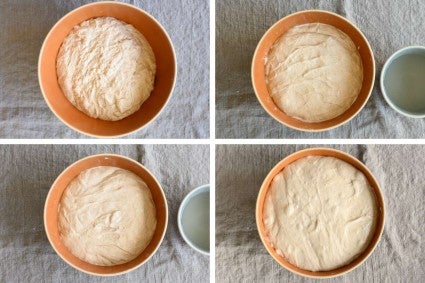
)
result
[(275, 32), (321, 152), (61, 183), (164, 80)]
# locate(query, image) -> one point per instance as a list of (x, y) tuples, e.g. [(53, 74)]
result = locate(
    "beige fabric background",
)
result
[(26, 174), (240, 255)]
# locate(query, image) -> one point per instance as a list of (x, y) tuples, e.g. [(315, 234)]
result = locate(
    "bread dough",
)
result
[(107, 216), (314, 72), (320, 213), (106, 68)]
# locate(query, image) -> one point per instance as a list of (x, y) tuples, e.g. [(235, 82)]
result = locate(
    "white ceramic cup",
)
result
[(193, 219), (403, 81)]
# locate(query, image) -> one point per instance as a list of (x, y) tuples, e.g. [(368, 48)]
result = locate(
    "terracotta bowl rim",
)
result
[(45, 216), (116, 4), (334, 15), (377, 191)]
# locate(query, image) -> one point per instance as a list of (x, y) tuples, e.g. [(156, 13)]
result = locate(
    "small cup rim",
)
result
[(94, 273), (117, 4), (387, 64), (183, 204), (337, 124), (378, 196)]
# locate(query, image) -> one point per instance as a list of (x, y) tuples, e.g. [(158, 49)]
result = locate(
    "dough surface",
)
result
[(106, 68), (320, 213), (314, 72), (106, 216)]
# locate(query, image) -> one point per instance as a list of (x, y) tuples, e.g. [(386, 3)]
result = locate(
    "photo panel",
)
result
[(255, 202), (53, 90), (276, 80), (99, 213)]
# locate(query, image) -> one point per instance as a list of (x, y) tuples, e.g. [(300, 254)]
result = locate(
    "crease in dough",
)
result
[(320, 213), (314, 72)]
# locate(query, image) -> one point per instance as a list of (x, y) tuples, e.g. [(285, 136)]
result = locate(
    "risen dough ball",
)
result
[(314, 72), (320, 213), (106, 68), (107, 216)]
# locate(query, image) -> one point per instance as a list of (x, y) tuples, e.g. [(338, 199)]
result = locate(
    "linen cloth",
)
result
[(28, 171), (240, 24), (25, 23), (240, 254)]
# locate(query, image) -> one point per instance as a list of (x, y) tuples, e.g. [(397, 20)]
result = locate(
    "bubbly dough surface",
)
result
[(314, 72), (320, 213), (106, 68), (107, 216)]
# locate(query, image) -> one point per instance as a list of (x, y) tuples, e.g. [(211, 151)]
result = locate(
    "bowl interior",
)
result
[(402, 81), (277, 30), (321, 152), (61, 183), (192, 213), (164, 80)]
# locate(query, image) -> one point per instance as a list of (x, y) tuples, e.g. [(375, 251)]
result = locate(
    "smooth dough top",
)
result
[(107, 216), (314, 72), (320, 213), (106, 68)]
